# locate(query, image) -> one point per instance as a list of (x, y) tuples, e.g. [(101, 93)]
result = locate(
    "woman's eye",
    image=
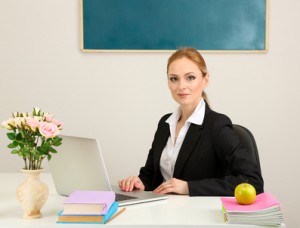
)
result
[(173, 79), (191, 78)]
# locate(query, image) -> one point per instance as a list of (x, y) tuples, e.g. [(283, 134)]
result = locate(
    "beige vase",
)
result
[(32, 194)]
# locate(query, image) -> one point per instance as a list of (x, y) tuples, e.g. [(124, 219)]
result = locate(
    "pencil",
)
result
[(116, 215)]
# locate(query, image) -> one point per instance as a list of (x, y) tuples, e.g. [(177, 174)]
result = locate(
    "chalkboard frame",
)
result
[(83, 36)]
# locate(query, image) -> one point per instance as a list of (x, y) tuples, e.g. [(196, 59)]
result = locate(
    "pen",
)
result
[(117, 214)]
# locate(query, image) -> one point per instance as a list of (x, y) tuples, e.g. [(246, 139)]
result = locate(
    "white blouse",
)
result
[(171, 150)]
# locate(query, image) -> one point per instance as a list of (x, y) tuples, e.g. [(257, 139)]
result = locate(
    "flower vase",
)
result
[(32, 194)]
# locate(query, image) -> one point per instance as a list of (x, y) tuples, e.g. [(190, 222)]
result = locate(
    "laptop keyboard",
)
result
[(121, 197)]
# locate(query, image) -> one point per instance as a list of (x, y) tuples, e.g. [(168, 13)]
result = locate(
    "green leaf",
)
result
[(19, 136), (25, 152), (51, 149), (11, 135), (56, 143), (12, 145), (15, 151), (45, 146), (21, 144)]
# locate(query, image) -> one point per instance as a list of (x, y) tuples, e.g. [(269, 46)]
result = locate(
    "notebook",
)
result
[(79, 165)]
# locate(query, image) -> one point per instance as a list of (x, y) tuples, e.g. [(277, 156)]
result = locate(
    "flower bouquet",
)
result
[(34, 136)]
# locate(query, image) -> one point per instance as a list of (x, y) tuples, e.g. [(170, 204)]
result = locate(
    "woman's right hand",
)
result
[(131, 183)]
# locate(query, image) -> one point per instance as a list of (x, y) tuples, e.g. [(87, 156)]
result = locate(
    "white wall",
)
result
[(119, 97)]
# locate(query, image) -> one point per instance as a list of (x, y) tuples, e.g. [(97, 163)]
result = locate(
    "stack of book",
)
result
[(88, 207), (265, 211)]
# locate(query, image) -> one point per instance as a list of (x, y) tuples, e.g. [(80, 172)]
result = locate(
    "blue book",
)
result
[(100, 219)]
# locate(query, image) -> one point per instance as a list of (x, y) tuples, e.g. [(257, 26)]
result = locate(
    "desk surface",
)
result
[(176, 210)]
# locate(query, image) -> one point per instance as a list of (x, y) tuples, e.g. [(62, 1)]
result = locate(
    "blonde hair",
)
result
[(193, 55)]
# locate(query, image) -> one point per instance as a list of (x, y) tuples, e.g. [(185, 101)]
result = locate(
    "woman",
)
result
[(195, 150)]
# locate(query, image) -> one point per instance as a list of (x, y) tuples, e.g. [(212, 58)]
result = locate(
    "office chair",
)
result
[(248, 141)]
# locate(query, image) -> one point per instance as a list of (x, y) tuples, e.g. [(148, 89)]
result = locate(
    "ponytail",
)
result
[(205, 97)]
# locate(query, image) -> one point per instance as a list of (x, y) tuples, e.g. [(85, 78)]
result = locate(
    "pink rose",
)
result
[(48, 130), (48, 117), (58, 123), (33, 123)]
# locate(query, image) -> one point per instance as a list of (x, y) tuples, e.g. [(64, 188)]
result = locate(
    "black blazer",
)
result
[(212, 159)]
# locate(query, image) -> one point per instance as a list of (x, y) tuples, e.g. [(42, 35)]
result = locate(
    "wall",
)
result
[(119, 97)]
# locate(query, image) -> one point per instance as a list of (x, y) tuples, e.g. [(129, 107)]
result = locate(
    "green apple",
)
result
[(245, 193)]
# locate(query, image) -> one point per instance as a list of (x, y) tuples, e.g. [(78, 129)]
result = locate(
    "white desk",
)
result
[(177, 210)]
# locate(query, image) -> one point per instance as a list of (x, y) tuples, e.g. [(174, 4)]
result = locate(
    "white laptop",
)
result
[(79, 165)]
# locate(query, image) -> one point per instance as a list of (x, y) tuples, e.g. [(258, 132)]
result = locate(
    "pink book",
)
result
[(263, 201), (89, 202)]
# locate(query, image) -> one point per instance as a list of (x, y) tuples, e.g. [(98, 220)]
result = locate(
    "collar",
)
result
[(196, 117)]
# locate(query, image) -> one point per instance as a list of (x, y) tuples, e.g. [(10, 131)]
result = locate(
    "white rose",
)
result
[(8, 124)]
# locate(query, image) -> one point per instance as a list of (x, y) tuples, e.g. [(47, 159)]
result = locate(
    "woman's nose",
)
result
[(182, 85)]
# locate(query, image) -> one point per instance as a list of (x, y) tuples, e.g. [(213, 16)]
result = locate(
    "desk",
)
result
[(177, 210)]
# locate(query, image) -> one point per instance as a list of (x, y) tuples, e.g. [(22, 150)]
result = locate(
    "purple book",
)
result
[(89, 202)]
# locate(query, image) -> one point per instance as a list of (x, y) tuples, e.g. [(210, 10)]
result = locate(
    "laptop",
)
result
[(79, 165)]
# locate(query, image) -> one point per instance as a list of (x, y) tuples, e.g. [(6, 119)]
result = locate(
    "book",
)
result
[(88, 202), (265, 211), (77, 218)]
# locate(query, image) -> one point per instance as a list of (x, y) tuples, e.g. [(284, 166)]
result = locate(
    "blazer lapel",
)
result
[(187, 147), (162, 136), (189, 143)]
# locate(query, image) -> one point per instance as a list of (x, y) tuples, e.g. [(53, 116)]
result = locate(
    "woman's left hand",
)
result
[(173, 186)]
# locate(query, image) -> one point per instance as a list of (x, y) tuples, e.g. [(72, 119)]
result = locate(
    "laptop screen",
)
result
[(79, 165)]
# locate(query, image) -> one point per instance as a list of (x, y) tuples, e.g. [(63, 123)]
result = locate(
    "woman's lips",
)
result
[(182, 95)]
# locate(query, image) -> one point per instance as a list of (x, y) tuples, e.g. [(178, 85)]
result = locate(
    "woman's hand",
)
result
[(173, 186), (131, 183)]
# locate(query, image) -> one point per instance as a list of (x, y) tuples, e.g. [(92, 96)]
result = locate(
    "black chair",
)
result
[(248, 141)]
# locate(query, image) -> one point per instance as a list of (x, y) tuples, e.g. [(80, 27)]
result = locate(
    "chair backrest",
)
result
[(248, 141)]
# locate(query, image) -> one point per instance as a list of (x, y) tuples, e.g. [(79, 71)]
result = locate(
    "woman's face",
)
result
[(186, 82)]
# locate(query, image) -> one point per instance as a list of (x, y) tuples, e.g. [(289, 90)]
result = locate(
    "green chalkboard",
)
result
[(159, 25)]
